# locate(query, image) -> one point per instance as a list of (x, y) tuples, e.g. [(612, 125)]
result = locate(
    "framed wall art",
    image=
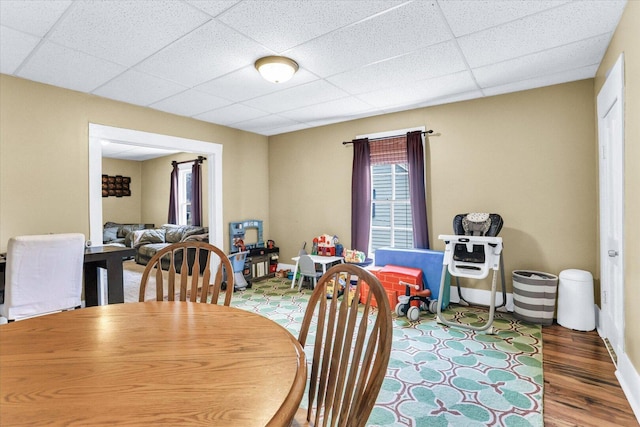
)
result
[(116, 186)]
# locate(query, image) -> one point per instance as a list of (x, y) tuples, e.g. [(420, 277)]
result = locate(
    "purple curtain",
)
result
[(196, 193), (415, 157), (173, 195), (360, 196)]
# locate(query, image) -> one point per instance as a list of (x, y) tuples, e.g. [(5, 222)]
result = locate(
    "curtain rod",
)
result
[(200, 159), (427, 132)]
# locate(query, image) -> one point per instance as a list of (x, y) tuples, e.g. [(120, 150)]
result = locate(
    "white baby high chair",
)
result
[(472, 252)]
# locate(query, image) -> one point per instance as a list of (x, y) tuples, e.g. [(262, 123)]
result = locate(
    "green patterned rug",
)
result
[(438, 376)]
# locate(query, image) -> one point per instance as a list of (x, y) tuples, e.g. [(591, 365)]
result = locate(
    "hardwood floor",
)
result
[(580, 387)]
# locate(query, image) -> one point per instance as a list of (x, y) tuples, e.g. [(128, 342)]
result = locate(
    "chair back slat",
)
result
[(352, 346), (159, 285), (189, 264), (195, 279)]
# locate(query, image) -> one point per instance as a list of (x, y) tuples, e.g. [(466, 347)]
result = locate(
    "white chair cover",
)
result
[(43, 274)]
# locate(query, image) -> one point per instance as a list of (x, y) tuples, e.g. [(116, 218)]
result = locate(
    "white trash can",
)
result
[(576, 305)]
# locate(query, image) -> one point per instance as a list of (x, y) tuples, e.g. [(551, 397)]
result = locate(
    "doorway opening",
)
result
[(212, 151)]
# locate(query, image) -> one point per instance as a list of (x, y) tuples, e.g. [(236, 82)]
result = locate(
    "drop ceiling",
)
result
[(125, 150), (357, 58)]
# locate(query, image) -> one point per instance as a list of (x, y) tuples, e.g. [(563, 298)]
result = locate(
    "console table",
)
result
[(109, 258)]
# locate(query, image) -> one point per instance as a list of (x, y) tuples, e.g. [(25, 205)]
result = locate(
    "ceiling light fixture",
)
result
[(276, 69)]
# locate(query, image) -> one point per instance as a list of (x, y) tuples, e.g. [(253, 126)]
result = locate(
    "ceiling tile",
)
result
[(322, 121), (231, 114), (549, 80), (15, 46), (126, 151), (125, 32), (247, 83), (189, 103), (469, 16), (569, 23), (280, 25), (213, 7), (296, 97), (448, 99), (194, 59), (63, 67), (138, 88), (433, 61), (34, 17), (285, 129), (263, 124), (397, 32), (575, 55), (420, 92), (337, 110)]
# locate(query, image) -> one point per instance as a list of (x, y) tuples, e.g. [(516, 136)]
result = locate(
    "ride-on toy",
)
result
[(412, 312)]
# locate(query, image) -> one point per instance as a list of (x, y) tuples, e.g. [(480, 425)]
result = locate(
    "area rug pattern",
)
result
[(437, 375)]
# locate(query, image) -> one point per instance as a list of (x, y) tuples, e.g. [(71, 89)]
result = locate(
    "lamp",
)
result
[(276, 69)]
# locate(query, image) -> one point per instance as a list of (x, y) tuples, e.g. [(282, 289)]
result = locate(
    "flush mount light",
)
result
[(276, 69)]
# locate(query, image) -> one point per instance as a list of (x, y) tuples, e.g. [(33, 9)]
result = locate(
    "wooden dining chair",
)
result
[(351, 346), (194, 271)]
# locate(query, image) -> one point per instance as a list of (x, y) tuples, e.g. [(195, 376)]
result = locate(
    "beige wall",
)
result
[(126, 210), (528, 156), (44, 157), (625, 41)]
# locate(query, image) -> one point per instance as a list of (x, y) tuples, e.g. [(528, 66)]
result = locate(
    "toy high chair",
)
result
[(237, 263)]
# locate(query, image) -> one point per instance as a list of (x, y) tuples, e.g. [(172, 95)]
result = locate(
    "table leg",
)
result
[(115, 284), (90, 285), (295, 273)]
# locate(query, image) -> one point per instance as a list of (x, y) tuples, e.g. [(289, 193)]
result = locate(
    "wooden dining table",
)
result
[(151, 363)]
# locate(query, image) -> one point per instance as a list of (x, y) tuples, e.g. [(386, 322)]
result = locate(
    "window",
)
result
[(390, 207), (184, 194), (393, 209)]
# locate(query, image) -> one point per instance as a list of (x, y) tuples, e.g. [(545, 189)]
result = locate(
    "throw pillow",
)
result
[(109, 234), (143, 237)]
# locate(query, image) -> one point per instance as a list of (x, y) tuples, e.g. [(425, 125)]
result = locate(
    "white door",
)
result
[(611, 161)]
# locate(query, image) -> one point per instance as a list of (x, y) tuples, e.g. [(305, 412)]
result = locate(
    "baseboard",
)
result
[(626, 374), (630, 382)]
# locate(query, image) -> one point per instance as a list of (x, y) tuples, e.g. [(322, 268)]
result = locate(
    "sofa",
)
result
[(115, 233), (148, 242)]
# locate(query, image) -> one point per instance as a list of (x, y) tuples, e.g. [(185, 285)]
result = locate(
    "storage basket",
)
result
[(534, 296)]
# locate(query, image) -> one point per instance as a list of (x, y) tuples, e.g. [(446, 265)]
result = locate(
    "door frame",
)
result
[(611, 171), (212, 150)]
